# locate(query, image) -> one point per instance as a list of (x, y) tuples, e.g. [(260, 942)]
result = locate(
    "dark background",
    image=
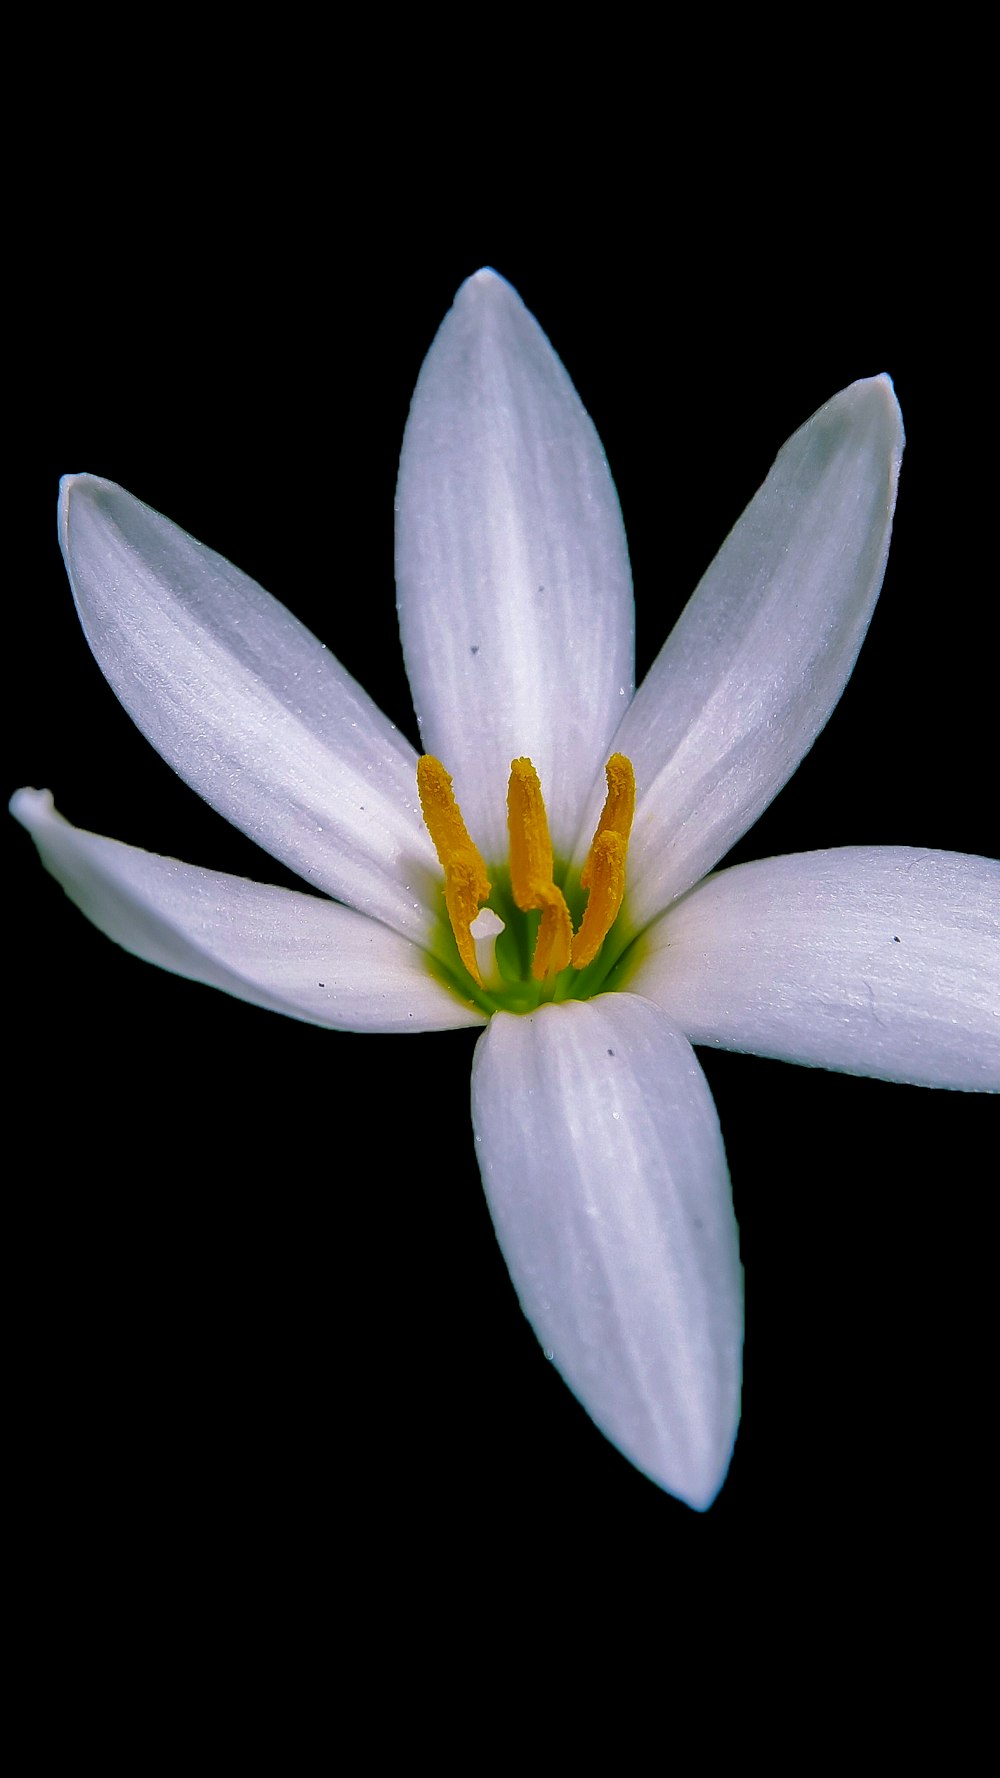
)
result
[(267, 1327)]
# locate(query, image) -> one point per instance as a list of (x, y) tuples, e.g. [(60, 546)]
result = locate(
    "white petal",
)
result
[(606, 1179), (247, 706), (871, 960), (515, 599), (764, 648), (293, 953)]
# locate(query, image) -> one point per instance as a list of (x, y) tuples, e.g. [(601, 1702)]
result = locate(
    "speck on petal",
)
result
[(877, 960), (515, 595)]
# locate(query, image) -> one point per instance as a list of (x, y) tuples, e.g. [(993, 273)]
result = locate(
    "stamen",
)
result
[(466, 885), (531, 870), (604, 872)]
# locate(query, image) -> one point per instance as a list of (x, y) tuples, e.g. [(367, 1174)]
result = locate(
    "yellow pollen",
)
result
[(531, 870), (604, 872), (466, 885)]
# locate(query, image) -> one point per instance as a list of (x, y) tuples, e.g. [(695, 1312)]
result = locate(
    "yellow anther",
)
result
[(466, 885), (527, 824), (604, 872), (531, 870), (554, 944)]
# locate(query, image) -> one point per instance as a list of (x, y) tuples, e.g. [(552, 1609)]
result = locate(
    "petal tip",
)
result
[(877, 395), (703, 1490), (79, 481), (31, 807), (693, 1469), (487, 286), (864, 422), (76, 488), (66, 485)]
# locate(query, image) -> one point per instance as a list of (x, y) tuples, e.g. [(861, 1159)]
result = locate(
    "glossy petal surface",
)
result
[(764, 648), (252, 711), (515, 597), (610, 1197), (292, 953), (872, 960)]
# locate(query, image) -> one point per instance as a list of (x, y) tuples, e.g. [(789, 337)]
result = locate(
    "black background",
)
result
[(268, 1332)]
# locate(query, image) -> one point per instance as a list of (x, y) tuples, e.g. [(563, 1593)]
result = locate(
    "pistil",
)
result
[(532, 867)]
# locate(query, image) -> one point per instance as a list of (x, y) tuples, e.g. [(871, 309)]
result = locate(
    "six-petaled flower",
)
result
[(547, 877)]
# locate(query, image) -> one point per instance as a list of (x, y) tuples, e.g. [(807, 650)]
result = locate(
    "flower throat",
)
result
[(553, 946)]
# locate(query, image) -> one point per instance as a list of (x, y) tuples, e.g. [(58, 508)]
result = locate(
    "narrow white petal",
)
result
[(606, 1179), (292, 953), (871, 960), (763, 649), (247, 706), (515, 597)]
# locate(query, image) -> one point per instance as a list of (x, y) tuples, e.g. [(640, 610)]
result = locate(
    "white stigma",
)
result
[(485, 930)]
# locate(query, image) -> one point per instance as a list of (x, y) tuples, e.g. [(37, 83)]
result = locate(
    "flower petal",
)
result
[(871, 960), (763, 649), (247, 706), (606, 1179), (292, 953), (515, 597)]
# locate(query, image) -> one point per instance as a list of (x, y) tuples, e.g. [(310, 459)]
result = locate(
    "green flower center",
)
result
[(528, 933)]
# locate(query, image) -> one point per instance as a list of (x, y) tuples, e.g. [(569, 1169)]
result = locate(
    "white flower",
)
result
[(596, 1134)]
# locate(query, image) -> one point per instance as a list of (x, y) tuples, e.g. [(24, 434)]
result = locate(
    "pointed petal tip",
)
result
[(31, 807), (878, 396), (699, 1500), (66, 485), (698, 1479), (79, 487), (691, 1463), (486, 285), (887, 390), (79, 480), (864, 417), (706, 1490), (883, 386), (696, 1484), (71, 487)]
